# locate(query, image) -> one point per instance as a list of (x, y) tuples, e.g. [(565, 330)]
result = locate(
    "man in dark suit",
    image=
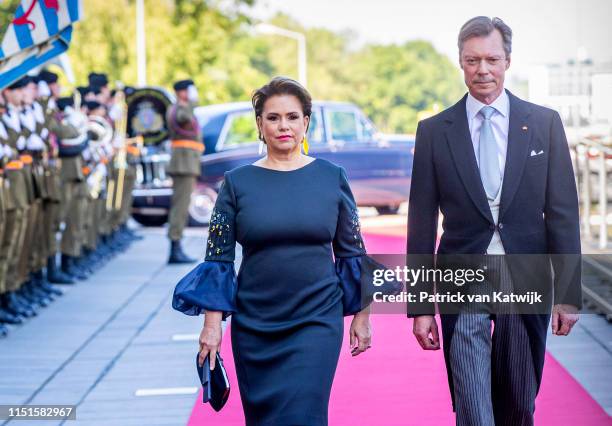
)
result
[(499, 170)]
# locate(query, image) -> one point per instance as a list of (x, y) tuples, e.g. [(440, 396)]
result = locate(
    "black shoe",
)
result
[(82, 263), (69, 268), (12, 305), (130, 233), (7, 318), (40, 285), (3, 330), (34, 295), (27, 303), (55, 275), (177, 255), (51, 290)]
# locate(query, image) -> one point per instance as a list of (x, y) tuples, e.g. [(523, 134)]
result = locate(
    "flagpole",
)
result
[(141, 45)]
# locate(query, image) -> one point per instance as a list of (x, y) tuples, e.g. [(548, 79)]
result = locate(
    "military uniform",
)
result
[(7, 316), (184, 168), (72, 140), (52, 203), (19, 297)]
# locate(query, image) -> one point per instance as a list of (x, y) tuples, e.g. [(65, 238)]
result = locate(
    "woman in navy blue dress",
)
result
[(297, 223)]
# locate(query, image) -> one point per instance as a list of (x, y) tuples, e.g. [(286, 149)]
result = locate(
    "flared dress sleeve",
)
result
[(212, 284), (349, 249), (355, 270)]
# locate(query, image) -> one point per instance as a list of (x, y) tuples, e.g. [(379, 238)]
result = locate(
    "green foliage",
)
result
[(214, 45), (7, 13)]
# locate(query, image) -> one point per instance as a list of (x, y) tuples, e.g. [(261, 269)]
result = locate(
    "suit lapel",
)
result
[(462, 151), (519, 133)]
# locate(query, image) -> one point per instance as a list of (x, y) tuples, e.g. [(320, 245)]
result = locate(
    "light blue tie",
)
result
[(487, 155)]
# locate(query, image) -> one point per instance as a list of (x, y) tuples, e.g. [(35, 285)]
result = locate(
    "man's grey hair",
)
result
[(482, 26)]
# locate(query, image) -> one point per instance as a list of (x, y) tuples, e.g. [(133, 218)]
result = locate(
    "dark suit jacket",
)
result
[(538, 208)]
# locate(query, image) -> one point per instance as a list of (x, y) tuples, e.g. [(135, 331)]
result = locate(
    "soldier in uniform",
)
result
[(184, 167), (6, 317), (16, 299), (72, 139), (34, 253), (52, 205)]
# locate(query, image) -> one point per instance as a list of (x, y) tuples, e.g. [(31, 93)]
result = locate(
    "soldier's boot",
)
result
[(93, 259), (8, 318), (81, 262), (130, 233), (37, 283), (34, 294), (177, 255), (12, 303), (55, 275), (36, 286), (69, 268), (45, 286), (3, 330)]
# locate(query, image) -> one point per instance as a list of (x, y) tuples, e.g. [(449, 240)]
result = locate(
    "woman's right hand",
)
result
[(210, 337)]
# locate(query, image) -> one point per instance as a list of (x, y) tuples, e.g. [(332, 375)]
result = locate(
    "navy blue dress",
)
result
[(300, 273)]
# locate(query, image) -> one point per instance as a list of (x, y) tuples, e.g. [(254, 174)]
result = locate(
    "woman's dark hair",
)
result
[(281, 86)]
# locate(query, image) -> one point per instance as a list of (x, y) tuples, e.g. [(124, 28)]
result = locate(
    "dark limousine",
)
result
[(378, 166)]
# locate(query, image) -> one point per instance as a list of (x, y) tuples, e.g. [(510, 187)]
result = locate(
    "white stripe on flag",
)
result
[(63, 15), (81, 10), (40, 33), (9, 43)]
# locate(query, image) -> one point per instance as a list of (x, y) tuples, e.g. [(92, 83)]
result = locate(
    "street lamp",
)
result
[(299, 37), (141, 44)]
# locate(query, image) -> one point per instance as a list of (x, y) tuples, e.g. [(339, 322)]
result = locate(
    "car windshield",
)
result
[(349, 126), (242, 129)]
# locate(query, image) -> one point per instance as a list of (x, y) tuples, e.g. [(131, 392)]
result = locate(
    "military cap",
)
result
[(182, 84), (47, 76), (91, 105), (22, 82), (64, 102), (97, 79)]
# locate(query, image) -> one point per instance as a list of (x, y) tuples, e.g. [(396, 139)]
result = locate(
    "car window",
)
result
[(343, 125), (242, 129), (315, 129), (367, 130)]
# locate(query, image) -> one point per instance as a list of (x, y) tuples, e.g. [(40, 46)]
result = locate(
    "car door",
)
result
[(379, 173)]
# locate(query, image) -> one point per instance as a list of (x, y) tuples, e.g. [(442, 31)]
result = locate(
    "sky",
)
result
[(545, 31)]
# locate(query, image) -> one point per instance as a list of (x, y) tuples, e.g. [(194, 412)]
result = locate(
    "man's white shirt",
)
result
[(500, 122)]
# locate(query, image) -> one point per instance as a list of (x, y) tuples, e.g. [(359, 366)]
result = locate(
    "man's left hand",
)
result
[(563, 319)]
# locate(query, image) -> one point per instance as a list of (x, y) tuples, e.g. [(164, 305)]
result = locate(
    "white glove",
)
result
[(115, 112), (91, 180), (101, 168), (44, 133), (35, 143), (6, 151), (75, 118), (21, 143), (86, 154)]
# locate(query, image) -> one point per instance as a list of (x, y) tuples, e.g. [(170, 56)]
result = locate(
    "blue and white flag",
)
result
[(41, 30)]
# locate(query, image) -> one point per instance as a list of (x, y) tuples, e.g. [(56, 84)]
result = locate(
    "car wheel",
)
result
[(146, 220), (201, 206), (387, 209)]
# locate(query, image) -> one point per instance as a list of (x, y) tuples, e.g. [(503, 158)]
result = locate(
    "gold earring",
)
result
[(305, 143)]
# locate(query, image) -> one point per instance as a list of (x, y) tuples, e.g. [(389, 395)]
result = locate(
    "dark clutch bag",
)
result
[(215, 384)]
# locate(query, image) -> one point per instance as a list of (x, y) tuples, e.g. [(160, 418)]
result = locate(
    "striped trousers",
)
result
[(493, 373)]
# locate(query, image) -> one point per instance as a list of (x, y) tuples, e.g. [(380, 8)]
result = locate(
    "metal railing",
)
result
[(593, 169)]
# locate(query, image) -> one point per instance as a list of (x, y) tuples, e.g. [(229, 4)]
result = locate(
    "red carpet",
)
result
[(396, 383)]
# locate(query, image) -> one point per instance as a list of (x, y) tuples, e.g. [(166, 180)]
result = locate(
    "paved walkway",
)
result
[(113, 346)]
